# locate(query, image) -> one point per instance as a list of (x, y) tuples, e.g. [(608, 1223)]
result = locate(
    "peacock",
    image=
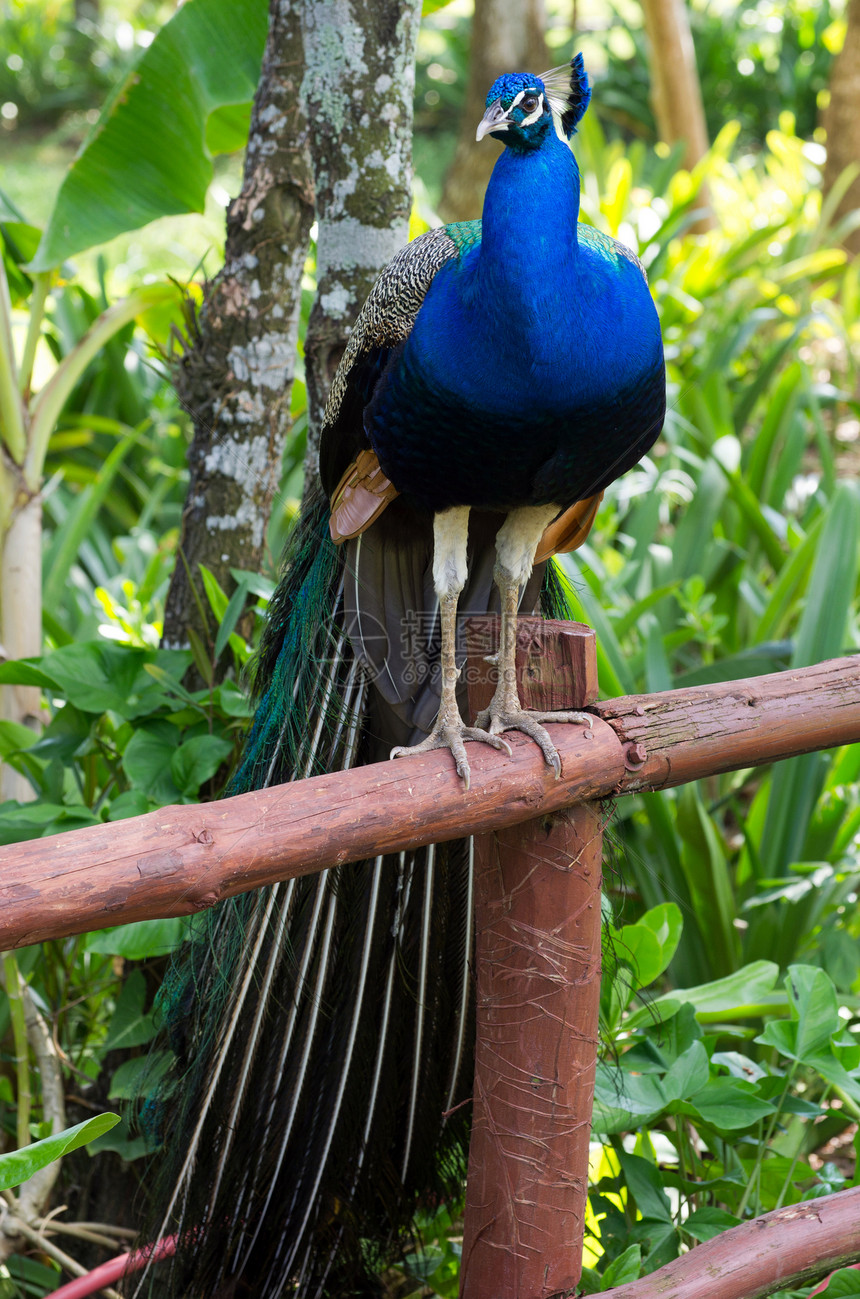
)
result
[(501, 374)]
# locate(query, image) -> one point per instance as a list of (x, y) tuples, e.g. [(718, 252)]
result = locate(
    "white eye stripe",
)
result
[(538, 112)]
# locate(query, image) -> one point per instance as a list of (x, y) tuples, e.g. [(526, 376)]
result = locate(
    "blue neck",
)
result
[(528, 234)]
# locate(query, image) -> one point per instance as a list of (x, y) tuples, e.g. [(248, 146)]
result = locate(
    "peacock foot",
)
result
[(451, 732), (512, 717)]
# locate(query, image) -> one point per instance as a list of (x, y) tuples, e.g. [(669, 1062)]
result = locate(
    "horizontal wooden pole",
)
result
[(782, 1250), (704, 730), (180, 860)]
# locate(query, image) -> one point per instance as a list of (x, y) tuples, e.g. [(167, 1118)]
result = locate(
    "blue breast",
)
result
[(534, 370)]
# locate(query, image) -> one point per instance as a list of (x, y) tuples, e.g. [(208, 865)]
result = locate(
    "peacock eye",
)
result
[(529, 103)]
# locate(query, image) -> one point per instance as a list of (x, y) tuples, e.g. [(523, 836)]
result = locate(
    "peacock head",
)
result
[(520, 106)]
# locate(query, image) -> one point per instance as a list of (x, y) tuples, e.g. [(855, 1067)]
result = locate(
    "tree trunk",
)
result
[(236, 377), (21, 624), (358, 88), (505, 38), (841, 121), (675, 88)]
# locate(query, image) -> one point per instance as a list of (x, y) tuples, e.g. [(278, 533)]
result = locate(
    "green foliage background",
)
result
[(731, 1077)]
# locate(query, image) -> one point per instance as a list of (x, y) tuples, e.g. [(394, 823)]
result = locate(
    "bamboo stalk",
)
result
[(12, 422), (20, 625)]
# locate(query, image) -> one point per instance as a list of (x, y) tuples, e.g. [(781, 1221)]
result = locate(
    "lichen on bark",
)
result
[(358, 88), (235, 377)]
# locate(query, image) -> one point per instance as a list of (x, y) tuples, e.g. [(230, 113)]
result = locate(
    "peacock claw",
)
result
[(451, 734), (514, 718)]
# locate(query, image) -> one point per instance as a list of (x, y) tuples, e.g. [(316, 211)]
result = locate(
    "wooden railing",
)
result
[(538, 852)]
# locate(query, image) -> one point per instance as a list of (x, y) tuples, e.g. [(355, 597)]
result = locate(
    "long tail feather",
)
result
[(320, 1026), (421, 1002)]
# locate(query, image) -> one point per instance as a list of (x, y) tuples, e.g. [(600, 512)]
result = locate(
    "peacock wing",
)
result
[(383, 324)]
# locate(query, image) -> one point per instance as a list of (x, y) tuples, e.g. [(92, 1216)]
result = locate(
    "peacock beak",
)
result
[(495, 119)]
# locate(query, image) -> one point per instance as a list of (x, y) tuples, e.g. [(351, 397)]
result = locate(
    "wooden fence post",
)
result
[(537, 915)]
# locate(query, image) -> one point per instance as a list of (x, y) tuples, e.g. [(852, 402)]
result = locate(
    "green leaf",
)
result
[(230, 615), (27, 1277), (15, 736), (26, 672), (755, 662), (33, 820), (132, 802), (147, 760), (675, 1030), (200, 656), (639, 947), (9, 210), (822, 634), (227, 128), (623, 1100), (19, 1165), (694, 537), (100, 676), (624, 1268), (688, 1074), (782, 402), (661, 1234), (814, 1016), (776, 1172), (667, 924), (613, 670), (823, 627), (197, 761), (843, 1284), (232, 701), (833, 1071), (215, 594), (781, 1034), (643, 1181), (129, 1026), (121, 1142), (728, 1105), (747, 502), (67, 736), (812, 998), (138, 941), (706, 866), (67, 539), (839, 950), (739, 1066), (746, 992), (139, 1076), (589, 1281), (792, 580), (147, 155), (704, 1224)]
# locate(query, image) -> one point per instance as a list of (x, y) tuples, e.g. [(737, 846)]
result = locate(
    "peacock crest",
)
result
[(568, 92)]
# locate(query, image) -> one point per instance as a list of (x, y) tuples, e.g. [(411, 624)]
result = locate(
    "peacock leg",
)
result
[(450, 534), (516, 545)]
